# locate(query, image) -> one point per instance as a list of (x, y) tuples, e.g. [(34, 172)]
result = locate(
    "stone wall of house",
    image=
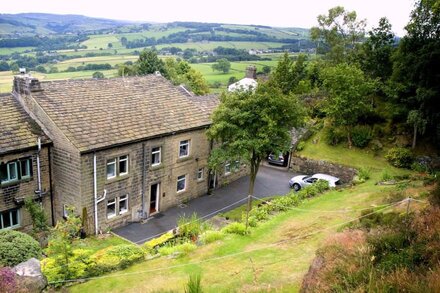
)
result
[(310, 166), (237, 170), (165, 174), (65, 158), (12, 194)]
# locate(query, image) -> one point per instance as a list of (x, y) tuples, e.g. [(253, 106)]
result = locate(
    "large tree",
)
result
[(149, 63), (288, 73), (417, 65), (248, 125), (222, 65), (338, 33), (180, 72), (348, 90)]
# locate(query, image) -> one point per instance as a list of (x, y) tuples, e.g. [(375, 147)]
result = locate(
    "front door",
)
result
[(154, 198)]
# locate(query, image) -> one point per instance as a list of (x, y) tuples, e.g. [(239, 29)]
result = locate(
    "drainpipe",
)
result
[(95, 193), (39, 167), (50, 186), (143, 181)]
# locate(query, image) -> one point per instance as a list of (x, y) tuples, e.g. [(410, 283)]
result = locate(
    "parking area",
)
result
[(270, 181)]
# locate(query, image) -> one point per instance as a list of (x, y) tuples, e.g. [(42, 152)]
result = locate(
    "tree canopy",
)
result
[(222, 65)]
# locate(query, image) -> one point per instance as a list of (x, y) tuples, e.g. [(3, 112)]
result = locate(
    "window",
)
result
[(117, 167), (184, 148), (117, 206), (181, 183), (236, 166), (111, 208), (123, 204), (9, 219), (123, 165), (155, 156), (227, 168), (16, 170), (200, 174), (111, 168)]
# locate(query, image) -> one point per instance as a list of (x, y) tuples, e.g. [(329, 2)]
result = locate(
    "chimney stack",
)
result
[(251, 72), (25, 84)]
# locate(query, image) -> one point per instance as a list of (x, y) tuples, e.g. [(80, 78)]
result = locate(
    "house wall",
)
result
[(12, 194), (166, 174), (66, 173)]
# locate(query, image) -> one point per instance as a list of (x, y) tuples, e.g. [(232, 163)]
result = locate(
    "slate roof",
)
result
[(206, 103), (17, 130), (98, 113)]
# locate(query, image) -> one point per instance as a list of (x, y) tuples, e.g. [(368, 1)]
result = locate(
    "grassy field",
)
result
[(8, 51), (273, 258)]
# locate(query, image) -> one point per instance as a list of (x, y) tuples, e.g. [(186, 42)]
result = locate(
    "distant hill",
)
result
[(43, 23)]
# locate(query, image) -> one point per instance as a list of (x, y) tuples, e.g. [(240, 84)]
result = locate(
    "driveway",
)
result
[(270, 181)]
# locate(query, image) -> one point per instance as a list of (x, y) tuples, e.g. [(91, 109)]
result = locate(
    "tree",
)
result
[(288, 74), (348, 90), (338, 33), (180, 72), (124, 41), (41, 68), (109, 45), (250, 124), (266, 69), (4, 66), (149, 62), (415, 119), (416, 67), (222, 65), (98, 75), (376, 58)]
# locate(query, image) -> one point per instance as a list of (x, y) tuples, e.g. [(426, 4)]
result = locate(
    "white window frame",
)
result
[(200, 174), (121, 199), (158, 153), (109, 203), (184, 143), (119, 164), (28, 169), (111, 162), (236, 166), (9, 213), (227, 168), (181, 178)]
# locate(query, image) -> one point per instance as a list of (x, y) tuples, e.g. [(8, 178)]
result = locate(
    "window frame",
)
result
[(27, 163), (158, 153), (121, 199), (179, 178), (227, 170), (109, 203), (111, 162), (200, 174), (11, 220), (182, 143), (126, 165)]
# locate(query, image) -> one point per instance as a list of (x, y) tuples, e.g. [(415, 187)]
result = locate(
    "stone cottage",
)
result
[(24, 166), (123, 148)]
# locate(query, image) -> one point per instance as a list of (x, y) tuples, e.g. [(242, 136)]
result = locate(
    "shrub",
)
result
[(115, 257), (386, 176), (335, 136), (154, 243), (259, 213), (300, 146), (38, 216), (361, 136), (364, 174), (17, 247), (399, 157), (8, 282), (181, 249), (419, 167), (189, 227), (211, 236), (194, 284), (235, 228), (127, 254), (321, 185), (283, 203)]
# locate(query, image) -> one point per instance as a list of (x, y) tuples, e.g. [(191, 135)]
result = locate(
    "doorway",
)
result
[(154, 198)]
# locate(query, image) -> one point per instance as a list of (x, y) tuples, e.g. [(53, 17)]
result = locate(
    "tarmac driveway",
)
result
[(270, 181)]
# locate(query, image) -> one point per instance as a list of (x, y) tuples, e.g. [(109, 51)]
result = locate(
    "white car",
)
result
[(301, 181)]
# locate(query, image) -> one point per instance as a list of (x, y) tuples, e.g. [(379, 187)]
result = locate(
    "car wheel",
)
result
[(296, 187)]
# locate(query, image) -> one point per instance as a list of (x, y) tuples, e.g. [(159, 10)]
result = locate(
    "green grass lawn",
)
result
[(256, 262)]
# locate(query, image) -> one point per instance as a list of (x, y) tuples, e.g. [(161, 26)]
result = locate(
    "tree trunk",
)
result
[(350, 143), (255, 164), (414, 137)]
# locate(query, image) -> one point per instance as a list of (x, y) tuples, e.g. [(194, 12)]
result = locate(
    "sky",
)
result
[(279, 13)]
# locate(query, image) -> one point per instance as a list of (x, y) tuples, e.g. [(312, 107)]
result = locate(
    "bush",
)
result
[(385, 176), (361, 136), (17, 247), (300, 146), (334, 136), (194, 284), (259, 213), (235, 228), (364, 174), (211, 236), (181, 249), (189, 227), (38, 216), (283, 203), (154, 243), (399, 157), (115, 257)]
